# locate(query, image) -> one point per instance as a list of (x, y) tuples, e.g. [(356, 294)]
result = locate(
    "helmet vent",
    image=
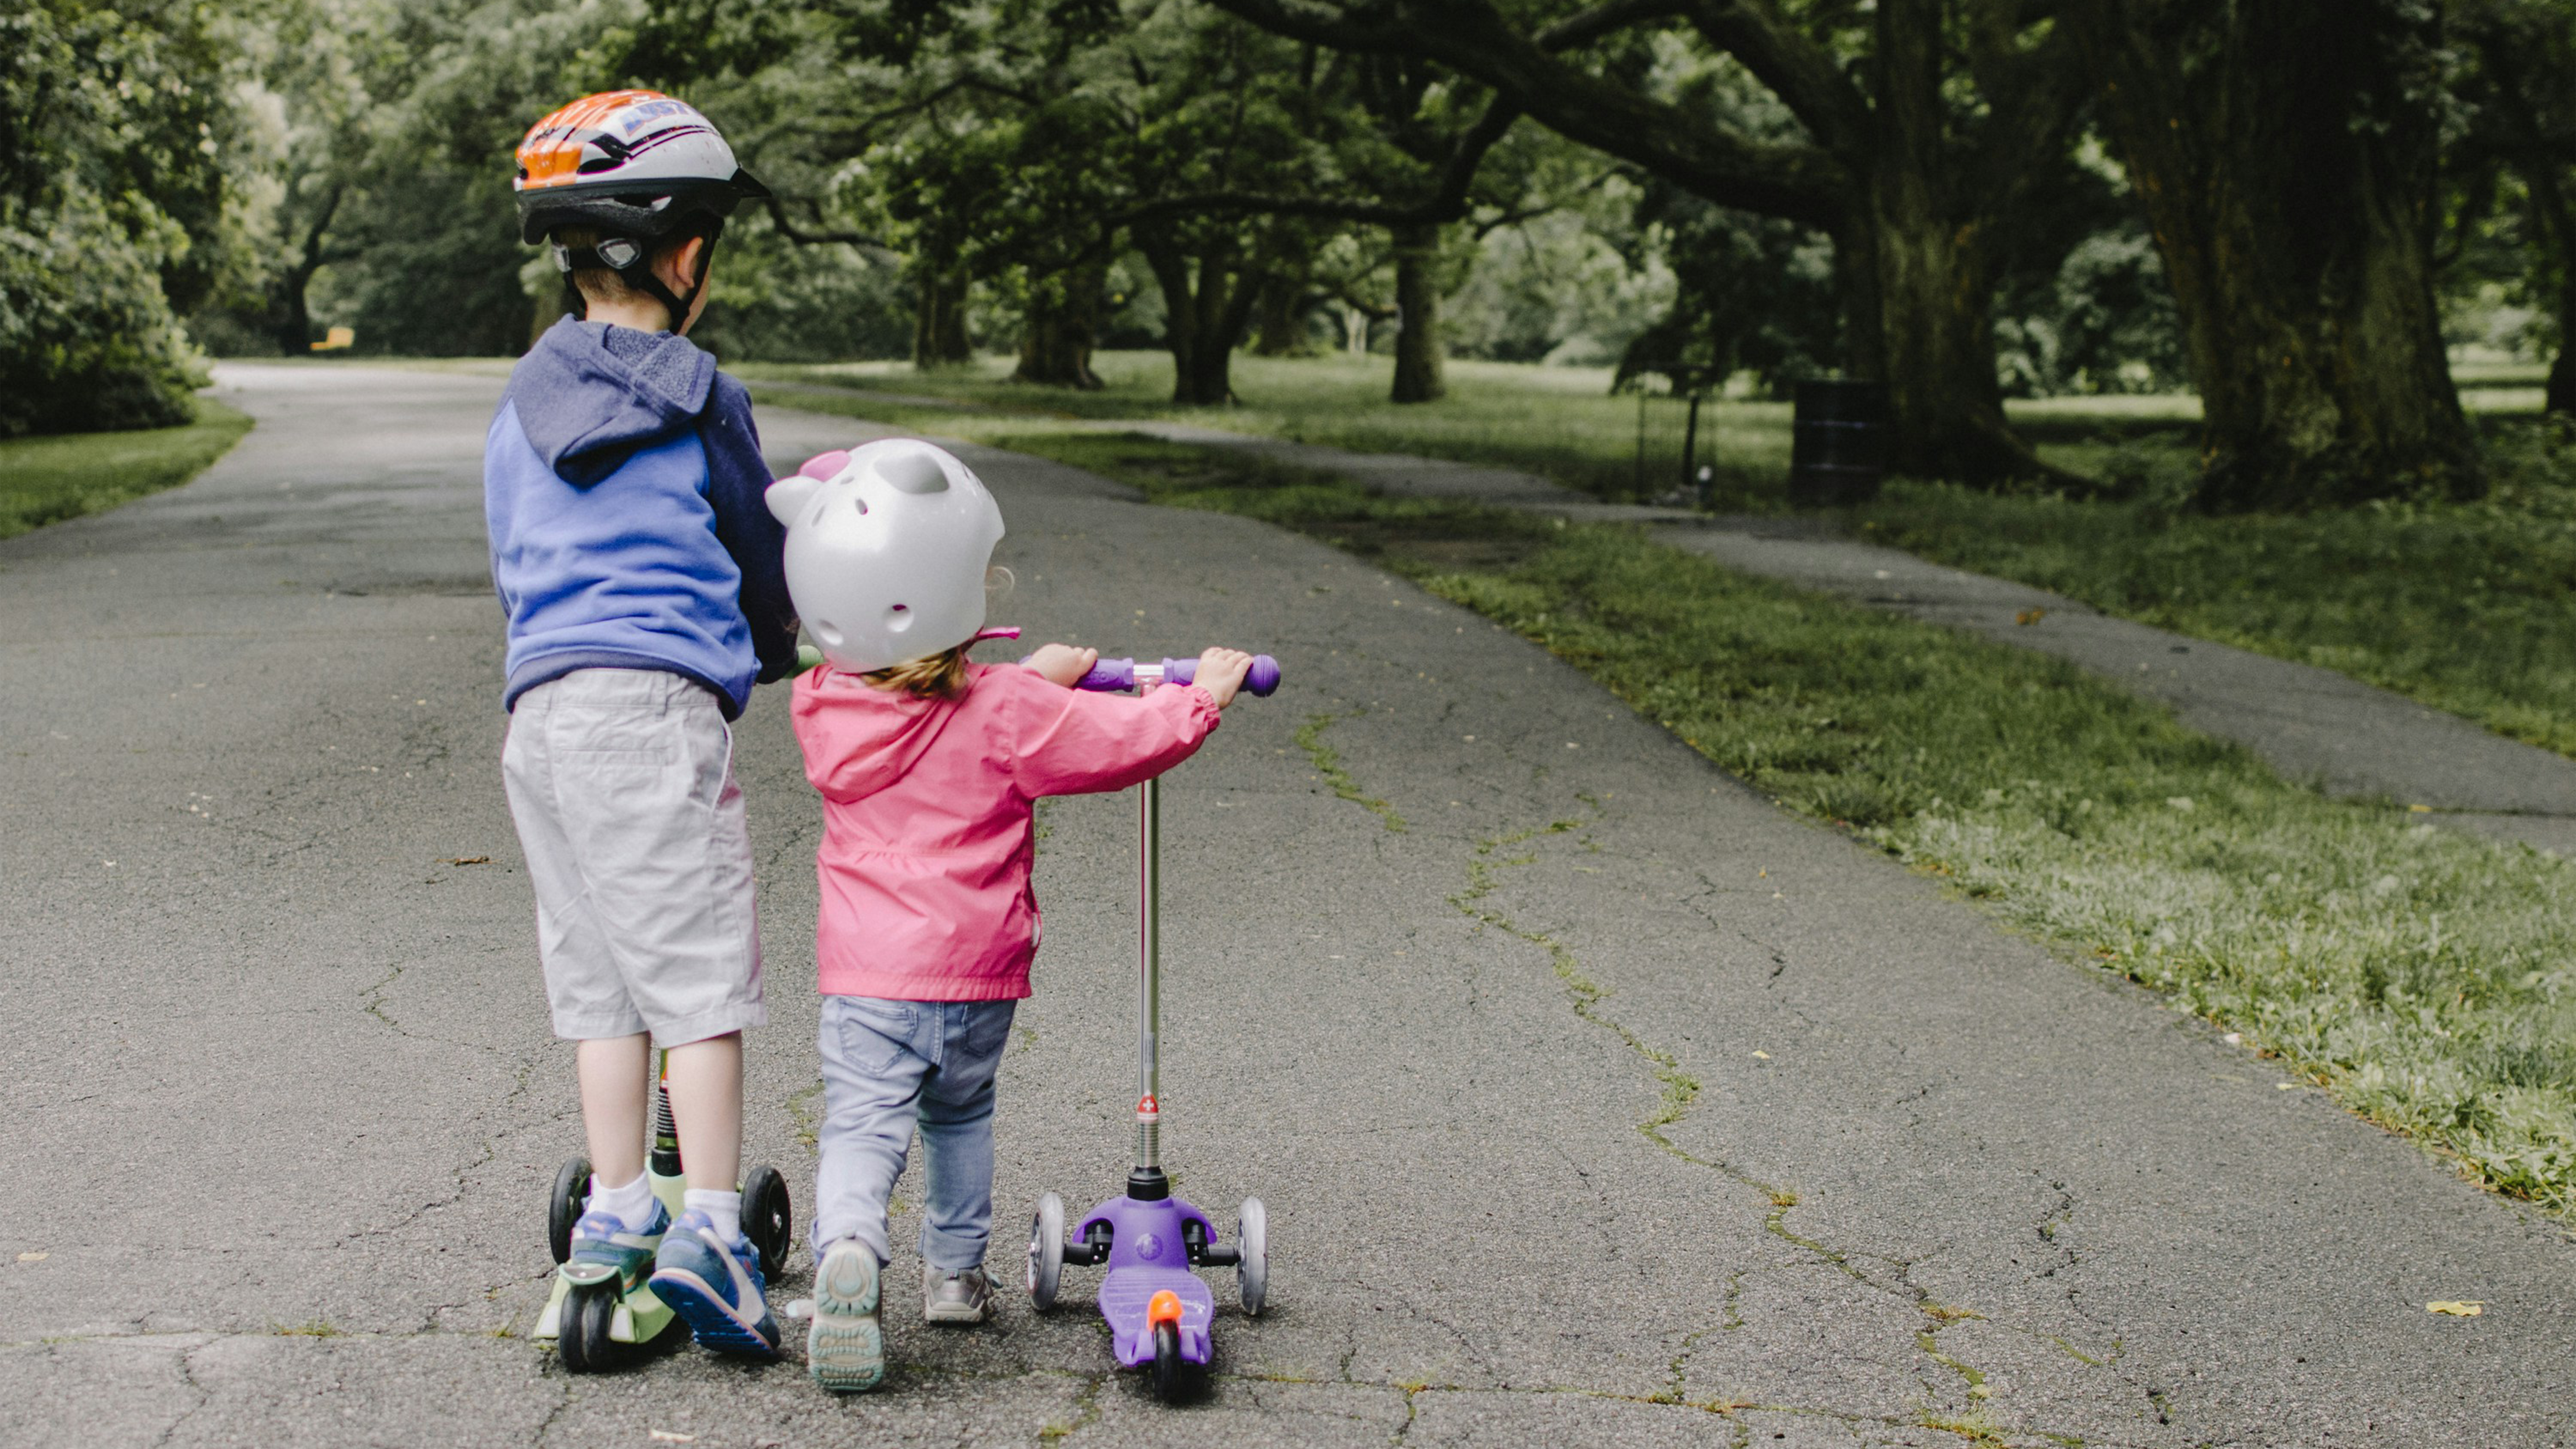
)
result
[(914, 473)]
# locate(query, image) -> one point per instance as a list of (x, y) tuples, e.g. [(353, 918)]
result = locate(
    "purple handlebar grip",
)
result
[(1120, 674), (1260, 679), (1109, 675)]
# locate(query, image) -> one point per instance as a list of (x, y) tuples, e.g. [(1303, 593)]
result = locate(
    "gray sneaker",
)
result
[(956, 1297), (845, 1346)]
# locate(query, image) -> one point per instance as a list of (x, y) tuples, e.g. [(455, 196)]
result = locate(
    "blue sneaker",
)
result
[(716, 1286), (604, 1247)]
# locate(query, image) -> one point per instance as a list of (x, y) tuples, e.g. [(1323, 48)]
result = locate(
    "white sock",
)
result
[(632, 1203), (724, 1209)]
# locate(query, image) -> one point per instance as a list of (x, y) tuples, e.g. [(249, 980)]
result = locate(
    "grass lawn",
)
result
[(46, 480), (2427, 979), (2470, 608)]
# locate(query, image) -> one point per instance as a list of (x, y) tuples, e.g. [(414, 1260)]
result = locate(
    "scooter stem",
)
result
[(1147, 1181)]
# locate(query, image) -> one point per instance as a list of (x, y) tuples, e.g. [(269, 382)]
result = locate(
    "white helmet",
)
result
[(887, 546)]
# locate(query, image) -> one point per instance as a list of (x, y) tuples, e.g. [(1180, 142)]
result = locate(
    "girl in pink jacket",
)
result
[(929, 767)]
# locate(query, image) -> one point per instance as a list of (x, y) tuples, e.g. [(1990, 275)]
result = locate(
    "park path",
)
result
[(2312, 724), (1596, 1101)]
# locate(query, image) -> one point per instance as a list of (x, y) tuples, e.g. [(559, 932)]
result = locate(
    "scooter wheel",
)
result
[(1252, 1261), (571, 1195), (1171, 1371), (584, 1344), (1046, 1251), (768, 1216)]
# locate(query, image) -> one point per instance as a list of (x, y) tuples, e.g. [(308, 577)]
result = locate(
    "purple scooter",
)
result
[(1158, 1310)]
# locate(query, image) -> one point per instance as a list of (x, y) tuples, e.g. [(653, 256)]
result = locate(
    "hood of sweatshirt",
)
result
[(876, 735), (588, 394)]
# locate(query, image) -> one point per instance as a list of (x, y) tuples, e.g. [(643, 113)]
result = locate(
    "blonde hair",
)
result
[(935, 676)]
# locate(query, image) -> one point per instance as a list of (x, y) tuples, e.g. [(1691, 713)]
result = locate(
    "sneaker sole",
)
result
[(955, 1315), (845, 1346), (712, 1321)]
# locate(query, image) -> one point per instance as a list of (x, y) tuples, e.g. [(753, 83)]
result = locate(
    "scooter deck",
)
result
[(1147, 1255)]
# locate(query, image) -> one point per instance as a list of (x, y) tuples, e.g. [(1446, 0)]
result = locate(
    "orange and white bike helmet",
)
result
[(639, 168)]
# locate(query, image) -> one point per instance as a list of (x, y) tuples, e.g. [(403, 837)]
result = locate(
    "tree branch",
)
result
[(1799, 71), (1801, 183), (822, 236), (1579, 30)]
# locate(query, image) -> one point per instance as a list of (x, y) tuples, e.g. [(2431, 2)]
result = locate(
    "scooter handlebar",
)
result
[(1120, 674)]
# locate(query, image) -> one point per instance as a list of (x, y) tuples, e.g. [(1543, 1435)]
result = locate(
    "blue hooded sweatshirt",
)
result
[(622, 485)]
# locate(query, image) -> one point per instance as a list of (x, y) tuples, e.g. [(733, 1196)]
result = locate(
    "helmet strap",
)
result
[(640, 276)]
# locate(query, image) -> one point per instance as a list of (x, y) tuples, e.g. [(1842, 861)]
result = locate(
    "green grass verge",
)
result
[(46, 480), (2469, 608), (2426, 978)]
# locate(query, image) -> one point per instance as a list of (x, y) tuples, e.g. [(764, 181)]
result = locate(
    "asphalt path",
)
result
[(1595, 1100)]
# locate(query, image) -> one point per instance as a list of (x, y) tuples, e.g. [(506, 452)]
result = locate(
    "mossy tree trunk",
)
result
[(939, 314), (2285, 155), (1418, 375), (1208, 297), (1063, 323)]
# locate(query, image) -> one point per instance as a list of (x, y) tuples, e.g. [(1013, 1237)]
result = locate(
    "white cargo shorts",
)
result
[(621, 781)]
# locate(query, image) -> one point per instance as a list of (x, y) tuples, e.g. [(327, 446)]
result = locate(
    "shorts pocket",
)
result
[(594, 737)]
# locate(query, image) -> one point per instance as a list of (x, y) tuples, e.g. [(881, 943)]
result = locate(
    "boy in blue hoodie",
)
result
[(641, 574)]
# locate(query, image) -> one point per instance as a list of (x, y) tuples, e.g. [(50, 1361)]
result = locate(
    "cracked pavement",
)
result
[(1594, 1099)]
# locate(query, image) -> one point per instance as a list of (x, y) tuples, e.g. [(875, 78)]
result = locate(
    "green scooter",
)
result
[(594, 1326)]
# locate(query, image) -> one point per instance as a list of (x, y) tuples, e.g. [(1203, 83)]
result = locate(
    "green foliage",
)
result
[(111, 207), (87, 342), (2422, 976), (2104, 323), (46, 480), (775, 300)]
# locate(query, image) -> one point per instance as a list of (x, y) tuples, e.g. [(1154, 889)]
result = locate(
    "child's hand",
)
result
[(1221, 673), (1062, 663)]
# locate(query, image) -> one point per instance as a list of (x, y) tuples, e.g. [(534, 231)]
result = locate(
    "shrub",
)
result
[(87, 340)]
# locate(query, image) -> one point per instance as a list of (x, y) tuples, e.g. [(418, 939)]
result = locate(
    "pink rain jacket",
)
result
[(927, 838)]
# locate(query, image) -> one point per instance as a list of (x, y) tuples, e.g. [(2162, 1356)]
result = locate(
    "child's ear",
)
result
[(788, 496)]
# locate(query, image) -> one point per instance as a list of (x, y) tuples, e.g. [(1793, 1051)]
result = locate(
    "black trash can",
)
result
[(1839, 447)]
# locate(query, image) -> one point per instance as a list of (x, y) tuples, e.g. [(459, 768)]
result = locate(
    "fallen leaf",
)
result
[(2458, 1308), (33, 1257), (2420, 809), (665, 1436), (2285, 1086), (465, 860), (1766, 1056), (2030, 616)]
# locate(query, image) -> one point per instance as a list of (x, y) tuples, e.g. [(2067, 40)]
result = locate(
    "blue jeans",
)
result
[(886, 1065)]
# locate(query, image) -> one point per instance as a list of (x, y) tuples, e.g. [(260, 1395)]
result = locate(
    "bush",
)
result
[(87, 340)]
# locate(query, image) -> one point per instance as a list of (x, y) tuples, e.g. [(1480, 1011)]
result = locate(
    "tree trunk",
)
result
[(1926, 276), (1055, 351), (1417, 305), (939, 315), (2288, 175), (1279, 329), (293, 314), (1204, 317)]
